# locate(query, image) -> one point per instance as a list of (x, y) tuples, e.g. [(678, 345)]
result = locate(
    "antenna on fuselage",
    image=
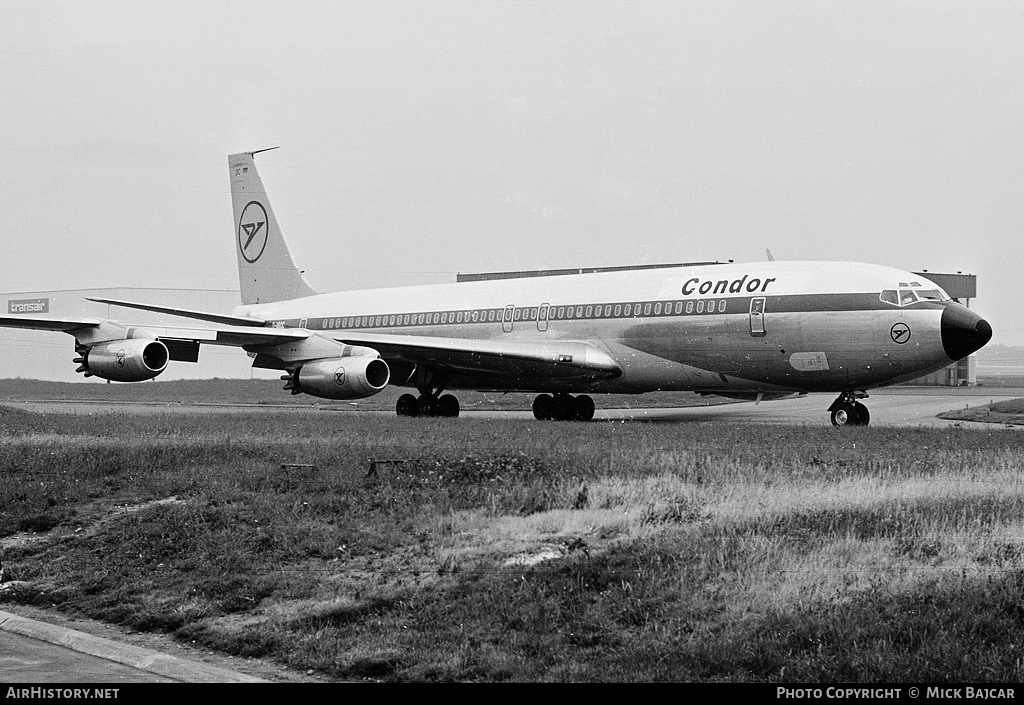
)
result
[(771, 257)]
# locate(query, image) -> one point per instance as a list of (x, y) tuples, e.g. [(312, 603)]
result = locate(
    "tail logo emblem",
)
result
[(252, 231)]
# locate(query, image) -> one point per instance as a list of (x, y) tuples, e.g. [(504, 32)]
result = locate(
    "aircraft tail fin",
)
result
[(266, 270)]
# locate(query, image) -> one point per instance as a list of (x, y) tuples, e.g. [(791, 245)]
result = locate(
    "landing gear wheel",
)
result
[(564, 409), (427, 405), (448, 406), (407, 406), (584, 407), (863, 415), (543, 407), (845, 414)]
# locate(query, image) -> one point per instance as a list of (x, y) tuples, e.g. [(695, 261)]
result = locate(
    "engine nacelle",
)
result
[(352, 377), (131, 360)]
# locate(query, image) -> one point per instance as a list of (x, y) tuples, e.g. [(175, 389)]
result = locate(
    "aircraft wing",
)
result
[(238, 336), (233, 336), (60, 325), (495, 359), (184, 312), (550, 360)]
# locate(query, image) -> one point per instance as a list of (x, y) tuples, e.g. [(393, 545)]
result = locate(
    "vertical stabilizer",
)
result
[(266, 271)]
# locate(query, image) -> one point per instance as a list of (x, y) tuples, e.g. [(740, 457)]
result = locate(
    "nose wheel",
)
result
[(847, 411)]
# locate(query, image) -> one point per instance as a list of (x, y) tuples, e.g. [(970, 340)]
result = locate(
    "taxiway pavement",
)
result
[(32, 652), (894, 406), (899, 407)]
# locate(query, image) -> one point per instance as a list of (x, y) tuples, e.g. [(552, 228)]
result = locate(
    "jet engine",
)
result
[(132, 360), (353, 377)]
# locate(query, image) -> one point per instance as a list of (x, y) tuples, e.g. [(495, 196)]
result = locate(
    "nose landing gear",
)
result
[(847, 411)]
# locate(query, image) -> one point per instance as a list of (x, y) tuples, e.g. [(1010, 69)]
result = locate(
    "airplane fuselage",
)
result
[(733, 328)]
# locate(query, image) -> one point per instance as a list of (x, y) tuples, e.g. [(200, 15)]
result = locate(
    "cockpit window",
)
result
[(905, 295)]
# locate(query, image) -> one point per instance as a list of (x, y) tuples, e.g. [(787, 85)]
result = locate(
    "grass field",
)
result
[(1009, 412), (526, 551)]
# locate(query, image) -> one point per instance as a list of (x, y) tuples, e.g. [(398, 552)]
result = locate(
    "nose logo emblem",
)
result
[(900, 333)]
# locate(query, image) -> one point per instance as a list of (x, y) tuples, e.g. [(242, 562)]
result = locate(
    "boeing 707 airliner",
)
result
[(750, 331)]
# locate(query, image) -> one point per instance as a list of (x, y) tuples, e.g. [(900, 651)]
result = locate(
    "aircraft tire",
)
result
[(845, 414), (448, 406), (407, 405), (427, 405), (863, 415), (563, 409), (543, 406), (584, 407)]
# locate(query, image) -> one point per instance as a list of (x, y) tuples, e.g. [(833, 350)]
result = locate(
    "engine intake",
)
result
[(132, 360), (352, 377)]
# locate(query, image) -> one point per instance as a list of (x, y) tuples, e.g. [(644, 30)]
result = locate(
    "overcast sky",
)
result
[(421, 139)]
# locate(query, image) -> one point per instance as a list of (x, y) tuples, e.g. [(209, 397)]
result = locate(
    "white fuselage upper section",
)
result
[(705, 281)]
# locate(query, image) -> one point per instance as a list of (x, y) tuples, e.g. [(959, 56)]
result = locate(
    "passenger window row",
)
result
[(527, 313)]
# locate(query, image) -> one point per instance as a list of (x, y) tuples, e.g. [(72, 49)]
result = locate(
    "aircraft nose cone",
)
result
[(963, 331)]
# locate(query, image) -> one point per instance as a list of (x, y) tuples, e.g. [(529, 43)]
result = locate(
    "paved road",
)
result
[(24, 659), (896, 407), (32, 651), (887, 409)]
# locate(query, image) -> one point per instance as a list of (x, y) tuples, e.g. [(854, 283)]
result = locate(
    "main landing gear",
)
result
[(847, 411), (428, 404), (563, 407), (560, 407)]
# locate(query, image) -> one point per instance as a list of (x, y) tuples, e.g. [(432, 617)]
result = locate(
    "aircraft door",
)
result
[(542, 318), (506, 322), (757, 317)]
